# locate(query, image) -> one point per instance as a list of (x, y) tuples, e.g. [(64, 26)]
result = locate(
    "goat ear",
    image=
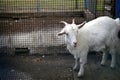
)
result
[(61, 32), (64, 22), (81, 25)]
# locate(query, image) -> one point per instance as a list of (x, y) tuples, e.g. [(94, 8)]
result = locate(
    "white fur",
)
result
[(99, 35)]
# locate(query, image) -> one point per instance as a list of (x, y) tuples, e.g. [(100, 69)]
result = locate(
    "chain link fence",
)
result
[(40, 5), (38, 34), (97, 7)]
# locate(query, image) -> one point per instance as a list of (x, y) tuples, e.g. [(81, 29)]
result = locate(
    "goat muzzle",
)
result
[(75, 44)]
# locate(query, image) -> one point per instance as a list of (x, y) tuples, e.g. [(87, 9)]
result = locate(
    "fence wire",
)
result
[(40, 5), (22, 32)]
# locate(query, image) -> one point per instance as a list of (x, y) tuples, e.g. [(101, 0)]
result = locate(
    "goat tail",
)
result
[(117, 20)]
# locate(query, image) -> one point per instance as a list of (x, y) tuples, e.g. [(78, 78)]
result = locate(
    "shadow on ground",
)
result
[(36, 68), (57, 67)]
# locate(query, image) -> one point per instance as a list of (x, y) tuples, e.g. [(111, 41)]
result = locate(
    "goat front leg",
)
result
[(83, 61), (76, 66)]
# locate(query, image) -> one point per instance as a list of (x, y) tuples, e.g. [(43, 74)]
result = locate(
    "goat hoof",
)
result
[(75, 69), (80, 75), (103, 65), (112, 67)]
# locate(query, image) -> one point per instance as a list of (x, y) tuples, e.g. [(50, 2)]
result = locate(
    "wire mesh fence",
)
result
[(24, 34), (40, 5), (34, 33), (97, 7)]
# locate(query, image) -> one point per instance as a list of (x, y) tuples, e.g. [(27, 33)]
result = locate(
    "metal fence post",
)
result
[(86, 3), (38, 5), (117, 9)]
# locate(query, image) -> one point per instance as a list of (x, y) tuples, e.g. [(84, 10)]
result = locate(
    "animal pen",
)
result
[(30, 48)]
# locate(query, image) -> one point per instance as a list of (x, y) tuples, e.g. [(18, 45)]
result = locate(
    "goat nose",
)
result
[(75, 44)]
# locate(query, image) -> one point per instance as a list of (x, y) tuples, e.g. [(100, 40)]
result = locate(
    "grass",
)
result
[(62, 4), (48, 4), (100, 5), (18, 3)]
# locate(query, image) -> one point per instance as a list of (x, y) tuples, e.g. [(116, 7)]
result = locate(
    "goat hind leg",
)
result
[(113, 55), (104, 58)]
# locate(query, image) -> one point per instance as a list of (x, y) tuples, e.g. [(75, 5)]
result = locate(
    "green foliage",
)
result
[(49, 4), (100, 5)]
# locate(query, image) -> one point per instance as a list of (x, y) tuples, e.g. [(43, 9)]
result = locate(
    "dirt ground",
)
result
[(52, 67), (42, 67), (36, 68)]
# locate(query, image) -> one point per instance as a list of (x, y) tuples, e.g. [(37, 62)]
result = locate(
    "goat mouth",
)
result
[(75, 45)]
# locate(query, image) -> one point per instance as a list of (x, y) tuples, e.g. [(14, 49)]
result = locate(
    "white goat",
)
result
[(99, 35)]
